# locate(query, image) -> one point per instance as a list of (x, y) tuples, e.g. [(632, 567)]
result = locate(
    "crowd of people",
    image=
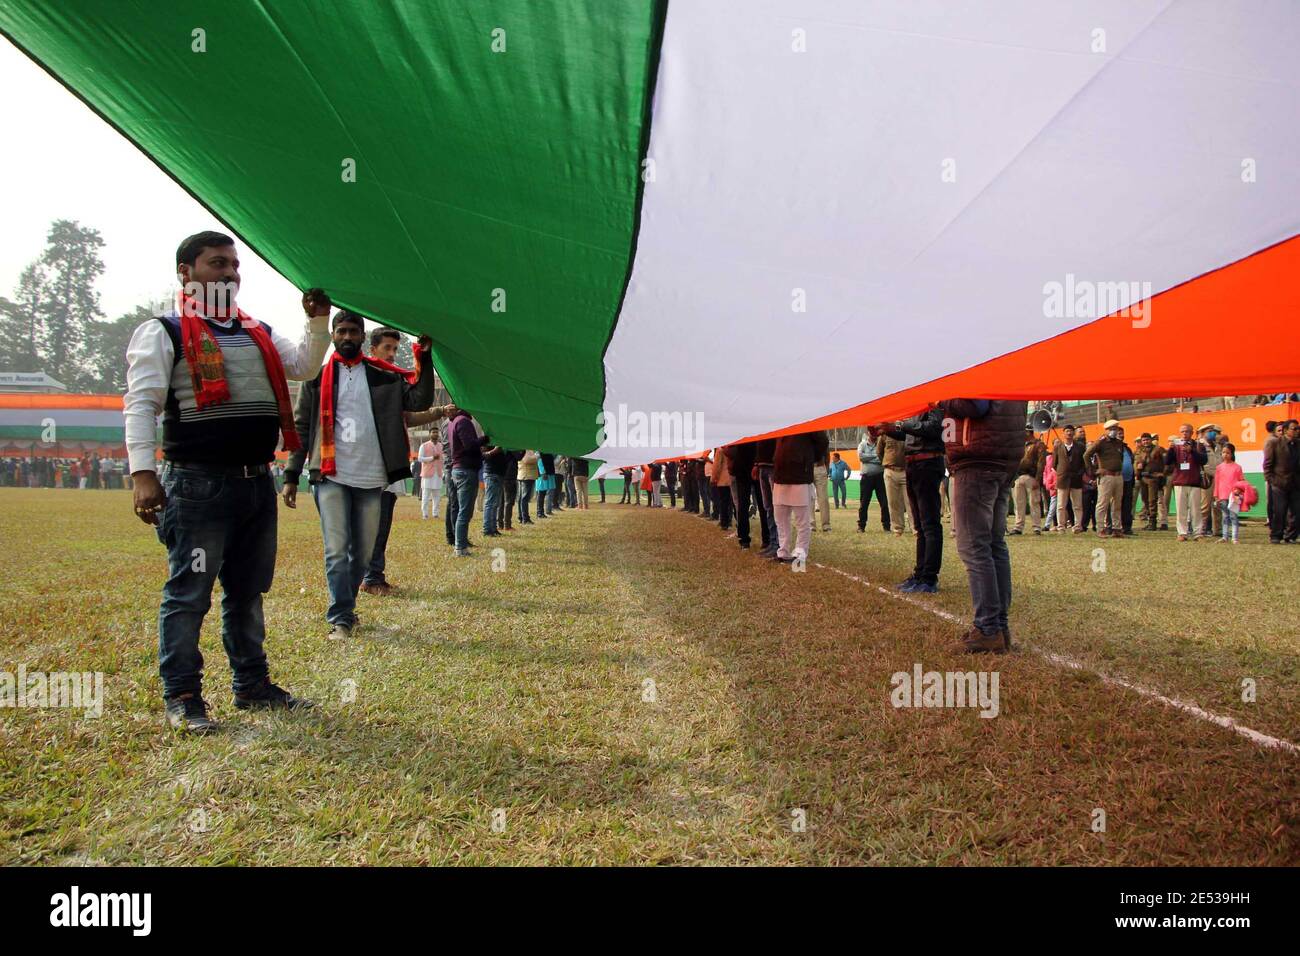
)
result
[(981, 463), (88, 471), (218, 380)]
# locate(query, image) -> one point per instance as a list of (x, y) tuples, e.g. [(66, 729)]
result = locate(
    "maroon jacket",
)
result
[(1194, 454)]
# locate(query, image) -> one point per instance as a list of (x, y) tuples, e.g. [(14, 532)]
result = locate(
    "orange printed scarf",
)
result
[(329, 385), (208, 365)]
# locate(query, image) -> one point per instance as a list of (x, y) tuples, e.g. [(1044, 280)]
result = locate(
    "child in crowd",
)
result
[(1049, 482), (1228, 498)]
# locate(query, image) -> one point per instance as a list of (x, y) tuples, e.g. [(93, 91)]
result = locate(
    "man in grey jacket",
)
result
[(871, 480)]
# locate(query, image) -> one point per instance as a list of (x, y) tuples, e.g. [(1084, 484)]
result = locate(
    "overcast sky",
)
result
[(61, 161)]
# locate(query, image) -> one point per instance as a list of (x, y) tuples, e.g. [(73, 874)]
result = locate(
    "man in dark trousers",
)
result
[(871, 479), (465, 453), (352, 443), (923, 442), (744, 487), (1282, 475), (218, 378)]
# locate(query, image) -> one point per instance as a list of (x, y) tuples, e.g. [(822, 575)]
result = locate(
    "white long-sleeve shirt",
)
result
[(150, 359)]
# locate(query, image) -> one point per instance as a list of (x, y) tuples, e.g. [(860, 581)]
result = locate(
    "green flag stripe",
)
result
[(496, 153)]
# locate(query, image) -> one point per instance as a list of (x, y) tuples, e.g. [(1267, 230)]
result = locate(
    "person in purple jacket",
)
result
[(465, 452)]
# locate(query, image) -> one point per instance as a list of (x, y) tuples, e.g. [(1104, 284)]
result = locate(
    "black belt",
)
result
[(226, 471)]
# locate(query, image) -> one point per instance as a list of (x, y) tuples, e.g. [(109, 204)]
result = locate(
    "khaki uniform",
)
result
[(1142, 470), (1026, 492), (1156, 488), (894, 459), (1109, 469), (1210, 513)]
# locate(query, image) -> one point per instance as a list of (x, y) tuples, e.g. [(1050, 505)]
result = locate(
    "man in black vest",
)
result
[(217, 377)]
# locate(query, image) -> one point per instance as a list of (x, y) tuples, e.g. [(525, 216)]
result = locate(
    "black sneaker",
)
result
[(189, 712), (268, 696)]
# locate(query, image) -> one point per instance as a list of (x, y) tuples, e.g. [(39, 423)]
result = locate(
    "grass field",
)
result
[(517, 697)]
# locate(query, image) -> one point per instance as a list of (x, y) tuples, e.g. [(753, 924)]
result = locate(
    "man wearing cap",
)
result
[(1211, 520), (1106, 455), (1185, 461), (1029, 478), (1067, 461), (1149, 473)]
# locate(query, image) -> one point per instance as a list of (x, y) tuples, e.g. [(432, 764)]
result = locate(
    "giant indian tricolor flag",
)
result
[(753, 215)]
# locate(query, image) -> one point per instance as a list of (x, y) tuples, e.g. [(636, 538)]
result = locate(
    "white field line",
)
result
[(1263, 740)]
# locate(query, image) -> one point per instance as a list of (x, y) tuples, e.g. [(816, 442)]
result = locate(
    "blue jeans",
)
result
[(979, 512), (491, 502), (349, 523), (215, 528), (1231, 520), (840, 492), (464, 485), (525, 496), (924, 479), (378, 558)]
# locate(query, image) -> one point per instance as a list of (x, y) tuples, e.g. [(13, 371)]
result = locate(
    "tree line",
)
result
[(53, 323)]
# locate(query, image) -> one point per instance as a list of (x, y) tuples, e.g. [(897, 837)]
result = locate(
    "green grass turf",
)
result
[(522, 691)]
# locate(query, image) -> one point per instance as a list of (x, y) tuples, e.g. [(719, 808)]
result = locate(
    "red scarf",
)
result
[(208, 365), (328, 385)]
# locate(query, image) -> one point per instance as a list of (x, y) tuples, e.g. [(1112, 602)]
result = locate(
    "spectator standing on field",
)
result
[(1185, 461), (839, 475), (1067, 462), (1228, 496), (871, 480), (1028, 481), (893, 458), (1105, 456)]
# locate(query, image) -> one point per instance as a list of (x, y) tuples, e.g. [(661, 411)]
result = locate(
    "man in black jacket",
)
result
[(353, 443), (923, 439), (984, 444), (744, 489)]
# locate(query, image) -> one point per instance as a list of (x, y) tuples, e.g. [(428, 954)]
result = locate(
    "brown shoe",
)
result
[(382, 589), (976, 641)]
